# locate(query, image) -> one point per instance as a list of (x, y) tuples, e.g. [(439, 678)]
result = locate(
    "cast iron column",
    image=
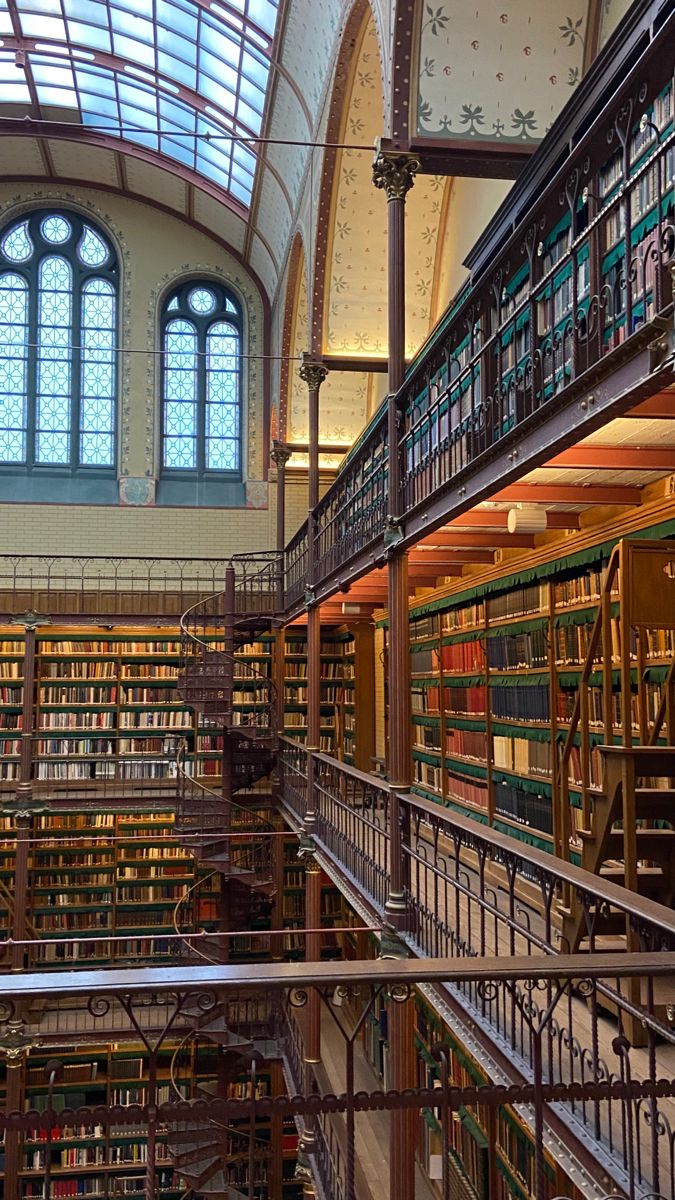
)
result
[(23, 807), (395, 174), (313, 375)]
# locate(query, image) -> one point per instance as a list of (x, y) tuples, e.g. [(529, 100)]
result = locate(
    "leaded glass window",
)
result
[(58, 323), (201, 381)]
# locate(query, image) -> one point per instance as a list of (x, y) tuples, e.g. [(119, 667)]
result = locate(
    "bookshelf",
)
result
[(495, 670), (107, 706), (105, 876), (347, 683)]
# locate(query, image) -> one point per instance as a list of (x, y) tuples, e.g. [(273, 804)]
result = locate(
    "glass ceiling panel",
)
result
[(189, 56)]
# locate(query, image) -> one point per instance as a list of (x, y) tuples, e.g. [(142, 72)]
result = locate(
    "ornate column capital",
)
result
[(394, 173), (313, 374), (15, 1043), (30, 619), (280, 454)]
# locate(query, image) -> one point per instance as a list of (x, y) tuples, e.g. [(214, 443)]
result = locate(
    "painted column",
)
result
[(395, 173), (313, 374)]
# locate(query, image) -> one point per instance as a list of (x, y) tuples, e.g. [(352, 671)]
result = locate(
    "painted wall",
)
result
[(154, 250), (471, 205)]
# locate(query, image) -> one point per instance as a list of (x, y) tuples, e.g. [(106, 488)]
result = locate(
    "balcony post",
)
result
[(395, 174), (313, 374), (280, 455), (311, 1026)]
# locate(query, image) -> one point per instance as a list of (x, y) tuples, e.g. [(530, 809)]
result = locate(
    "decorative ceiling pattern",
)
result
[(356, 308), (493, 71), (173, 76)]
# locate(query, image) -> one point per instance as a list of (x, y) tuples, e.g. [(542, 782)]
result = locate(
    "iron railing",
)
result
[(619, 1101), (582, 284), (472, 892)]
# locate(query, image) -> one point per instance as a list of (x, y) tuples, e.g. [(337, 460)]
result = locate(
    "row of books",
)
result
[(467, 657), (525, 808), (95, 668), (466, 743), (520, 650), (117, 646), (96, 694), (522, 755)]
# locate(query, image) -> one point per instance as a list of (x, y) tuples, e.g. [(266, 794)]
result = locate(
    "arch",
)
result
[(295, 274), (59, 306), (360, 13)]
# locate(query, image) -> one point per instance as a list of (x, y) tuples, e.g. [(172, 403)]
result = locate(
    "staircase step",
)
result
[(650, 879), (651, 843), (657, 761), (200, 1172)]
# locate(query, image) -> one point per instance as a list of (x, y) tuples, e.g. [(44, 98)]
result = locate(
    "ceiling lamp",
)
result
[(526, 518)]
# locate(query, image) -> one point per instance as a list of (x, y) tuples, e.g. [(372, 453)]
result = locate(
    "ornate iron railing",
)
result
[(471, 892), (622, 1100), (582, 284), (295, 567), (105, 585)]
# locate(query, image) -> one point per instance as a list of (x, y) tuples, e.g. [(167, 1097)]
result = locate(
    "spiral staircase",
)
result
[(219, 1160), (227, 837)]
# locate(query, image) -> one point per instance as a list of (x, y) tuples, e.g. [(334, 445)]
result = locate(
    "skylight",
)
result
[(175, 76)]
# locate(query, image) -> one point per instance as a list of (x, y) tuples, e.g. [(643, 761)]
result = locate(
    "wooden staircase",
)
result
[(626, 835)]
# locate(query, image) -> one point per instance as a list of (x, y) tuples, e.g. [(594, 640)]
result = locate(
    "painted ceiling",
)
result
[(356, 311), (497, 70)]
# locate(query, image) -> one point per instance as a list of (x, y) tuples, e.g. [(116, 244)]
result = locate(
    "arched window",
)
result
[(201, 382), (58, 332)]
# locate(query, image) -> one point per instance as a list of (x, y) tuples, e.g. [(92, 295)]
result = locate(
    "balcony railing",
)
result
[(472, 892), (581, 285)]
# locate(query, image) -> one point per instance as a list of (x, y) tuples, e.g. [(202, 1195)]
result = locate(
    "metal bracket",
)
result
[(392, 946), (393, 532), (310, 597), (306, 847), (663, 346)]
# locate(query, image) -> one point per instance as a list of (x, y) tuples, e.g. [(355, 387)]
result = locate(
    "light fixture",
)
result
[(526, 518)]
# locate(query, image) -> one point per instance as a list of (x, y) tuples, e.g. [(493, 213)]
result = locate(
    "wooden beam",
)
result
[(455, 556), (447, 537), (568, 493), (658, 407), (348, 362), (484, 518), (616, 458)]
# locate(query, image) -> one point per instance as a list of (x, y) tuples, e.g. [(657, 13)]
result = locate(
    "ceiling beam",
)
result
[(454, 556), (484, 518), (349, 362), (568, 493), (448, 537), (658, 407), (616, 458)]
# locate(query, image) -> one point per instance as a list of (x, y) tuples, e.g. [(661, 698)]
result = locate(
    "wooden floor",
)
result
[(372, 1129), (573, 1061)]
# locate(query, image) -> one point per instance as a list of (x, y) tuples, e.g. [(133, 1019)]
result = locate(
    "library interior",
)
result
[(337, 600)]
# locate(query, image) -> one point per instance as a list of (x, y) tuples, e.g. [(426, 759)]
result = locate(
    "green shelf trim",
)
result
[(473, 723), (456, 639), (422, 719), (523, 835), (534, 787), (429, 643), (515, 680), (419, 685), (463, 680), (456, 806), (475, 770), (472, 1127), (568, 564), (530, 734), (583, 616), (526, 625), (433, 757), (570, 678)]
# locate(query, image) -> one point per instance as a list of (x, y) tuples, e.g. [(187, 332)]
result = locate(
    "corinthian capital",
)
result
[(280, 454), (395, 173), (313, 374)]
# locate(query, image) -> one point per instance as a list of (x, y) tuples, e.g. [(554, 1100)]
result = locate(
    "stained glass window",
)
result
[(58, 322), (201, 380)]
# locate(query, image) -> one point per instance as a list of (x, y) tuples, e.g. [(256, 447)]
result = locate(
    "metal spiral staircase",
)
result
[(221, 828), (217, 1160)]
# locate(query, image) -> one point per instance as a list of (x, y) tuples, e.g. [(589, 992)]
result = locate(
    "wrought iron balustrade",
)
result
[(624, 1099), (119, 586), (295, 567), (583, 284), (474, 893)]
